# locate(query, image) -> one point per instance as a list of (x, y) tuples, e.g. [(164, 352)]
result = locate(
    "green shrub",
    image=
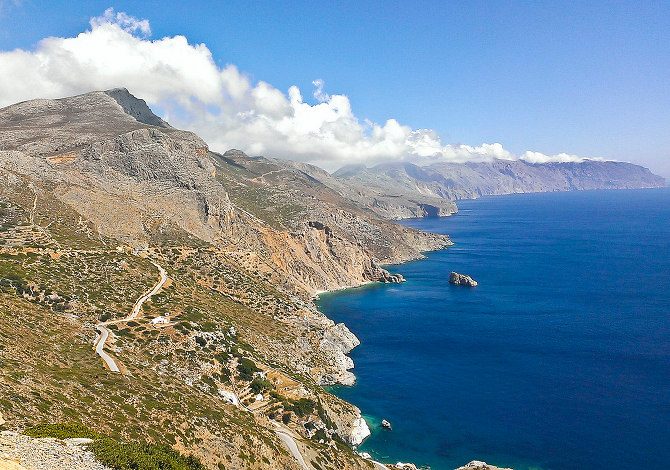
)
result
[(260, 384), (247, 368), (62, 431), (319, 435), (302, 407), (222, 357), (137, 456)]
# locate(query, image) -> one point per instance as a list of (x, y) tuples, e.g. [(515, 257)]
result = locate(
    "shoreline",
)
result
[(368, 284)]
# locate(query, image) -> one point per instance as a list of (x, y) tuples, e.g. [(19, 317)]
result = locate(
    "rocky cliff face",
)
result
[(388, 201), (136, 177), (453, 181), (331, 240), (92, 185)]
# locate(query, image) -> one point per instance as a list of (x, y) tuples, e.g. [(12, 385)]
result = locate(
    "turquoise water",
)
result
[(559, 359)]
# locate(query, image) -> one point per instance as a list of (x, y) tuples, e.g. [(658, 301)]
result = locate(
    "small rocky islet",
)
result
[(458, 279)]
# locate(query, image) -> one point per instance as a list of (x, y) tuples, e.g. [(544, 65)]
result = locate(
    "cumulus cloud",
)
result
[(222, 104)]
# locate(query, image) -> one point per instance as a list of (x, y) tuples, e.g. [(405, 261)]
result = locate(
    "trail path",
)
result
[(34, 210), (292, 447), (262, 177), (103, 331)]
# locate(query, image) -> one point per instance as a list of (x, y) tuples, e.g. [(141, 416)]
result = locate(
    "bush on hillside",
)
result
[(246, 369)]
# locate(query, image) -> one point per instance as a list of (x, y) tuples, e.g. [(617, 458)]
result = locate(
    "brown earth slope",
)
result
[(95, 188)]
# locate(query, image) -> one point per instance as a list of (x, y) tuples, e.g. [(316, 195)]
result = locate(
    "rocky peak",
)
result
[(350, 170), (235, 153), (135, 107), (49, 127)]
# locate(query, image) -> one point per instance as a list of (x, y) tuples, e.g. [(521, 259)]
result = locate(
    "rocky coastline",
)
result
[(88, 210)]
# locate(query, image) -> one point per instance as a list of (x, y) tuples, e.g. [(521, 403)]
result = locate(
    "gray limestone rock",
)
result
[(461, 280)]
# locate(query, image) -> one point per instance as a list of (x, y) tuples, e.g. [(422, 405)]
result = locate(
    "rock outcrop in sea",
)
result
[(458, 279), (479, 465)]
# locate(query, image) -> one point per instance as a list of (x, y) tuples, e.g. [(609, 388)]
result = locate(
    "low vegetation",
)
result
[(229, 330)]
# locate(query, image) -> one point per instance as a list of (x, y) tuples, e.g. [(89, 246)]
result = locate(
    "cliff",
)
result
[(95, 192), (454, 181)]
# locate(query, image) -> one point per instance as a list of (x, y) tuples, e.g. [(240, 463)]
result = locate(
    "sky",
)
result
[(335, 83)]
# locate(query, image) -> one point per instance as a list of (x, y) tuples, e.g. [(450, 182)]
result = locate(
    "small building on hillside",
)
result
[(162, 320)]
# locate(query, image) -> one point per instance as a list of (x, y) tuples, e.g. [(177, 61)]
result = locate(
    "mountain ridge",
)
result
[(90, 198), (230, 355), (454, 181)]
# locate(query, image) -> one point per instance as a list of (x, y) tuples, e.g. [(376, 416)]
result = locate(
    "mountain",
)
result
[(158, 292), (192, 272), (453, 181), (386, 203)]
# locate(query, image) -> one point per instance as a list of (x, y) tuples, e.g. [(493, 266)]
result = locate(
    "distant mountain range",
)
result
[(454, 181)]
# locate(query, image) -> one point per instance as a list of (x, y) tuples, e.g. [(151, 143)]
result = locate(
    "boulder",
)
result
[(388, 278), (461, 280), (230, 397), (405, 466), (478, 465), (359, 431)]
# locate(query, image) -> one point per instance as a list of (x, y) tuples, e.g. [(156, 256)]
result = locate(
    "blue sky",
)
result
[(584, 78)]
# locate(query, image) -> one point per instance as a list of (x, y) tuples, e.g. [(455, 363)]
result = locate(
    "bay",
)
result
[(559, 359)]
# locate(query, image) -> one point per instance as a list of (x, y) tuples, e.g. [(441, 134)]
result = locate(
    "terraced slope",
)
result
[(95, 191)]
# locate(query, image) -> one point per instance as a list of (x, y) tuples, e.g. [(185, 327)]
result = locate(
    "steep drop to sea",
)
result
[(558, 359)]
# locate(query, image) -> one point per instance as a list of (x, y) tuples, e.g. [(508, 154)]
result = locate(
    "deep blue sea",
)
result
[(559, 359)]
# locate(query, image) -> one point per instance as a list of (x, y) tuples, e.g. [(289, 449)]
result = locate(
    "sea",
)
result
[(558, 359)]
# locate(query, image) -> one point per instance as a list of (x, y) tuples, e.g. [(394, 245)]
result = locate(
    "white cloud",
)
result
[(222, 104), (537, 157), (319, 94), (128, 23)]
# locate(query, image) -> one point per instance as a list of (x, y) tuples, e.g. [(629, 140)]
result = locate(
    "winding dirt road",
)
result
[(103, 331), (292, 447)]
